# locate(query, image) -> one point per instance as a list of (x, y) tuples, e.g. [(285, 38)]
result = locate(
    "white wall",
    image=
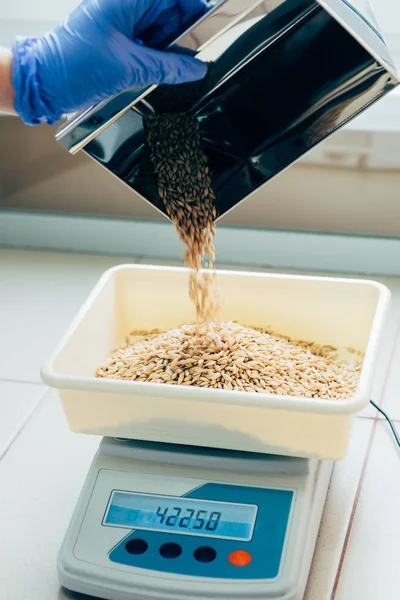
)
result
[(30, 18), (387, 12), (39, 10)]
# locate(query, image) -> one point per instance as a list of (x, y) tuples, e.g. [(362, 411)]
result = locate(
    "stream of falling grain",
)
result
[(184, 187)]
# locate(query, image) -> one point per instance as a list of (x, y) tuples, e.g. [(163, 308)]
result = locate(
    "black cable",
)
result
[(389, 420)]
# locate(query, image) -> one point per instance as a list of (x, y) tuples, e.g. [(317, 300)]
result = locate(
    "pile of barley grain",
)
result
[(232, 357), (184, 186)]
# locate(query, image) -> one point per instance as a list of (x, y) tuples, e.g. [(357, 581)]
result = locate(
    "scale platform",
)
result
[(169, 522)]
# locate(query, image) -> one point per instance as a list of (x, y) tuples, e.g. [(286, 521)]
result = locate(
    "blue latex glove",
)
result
[(97, 52)]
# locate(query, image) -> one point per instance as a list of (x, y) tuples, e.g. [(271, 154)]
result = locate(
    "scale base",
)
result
[(90, 560)]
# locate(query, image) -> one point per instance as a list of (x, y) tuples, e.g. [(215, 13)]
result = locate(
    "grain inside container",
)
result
[(228, 356)]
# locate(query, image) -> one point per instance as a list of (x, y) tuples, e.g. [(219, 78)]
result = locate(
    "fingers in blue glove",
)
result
[(192, 7), (169, 22), (168, 16), (93, 55), (133, 17), (165, 67)]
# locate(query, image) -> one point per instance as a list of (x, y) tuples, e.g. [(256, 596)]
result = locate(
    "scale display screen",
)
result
[(181, 515)]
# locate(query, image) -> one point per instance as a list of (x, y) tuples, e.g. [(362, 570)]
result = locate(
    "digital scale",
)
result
[(163, 522)]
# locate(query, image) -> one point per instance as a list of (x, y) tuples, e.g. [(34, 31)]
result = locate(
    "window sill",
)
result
[(382, 117)]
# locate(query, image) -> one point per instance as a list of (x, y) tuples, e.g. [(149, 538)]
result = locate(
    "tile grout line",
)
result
[(353, 511), (378, 415), (25, 422), (20, 381), (379, 418), (376, 420), (39, 383)]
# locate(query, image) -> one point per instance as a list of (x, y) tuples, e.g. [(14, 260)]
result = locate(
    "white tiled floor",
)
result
[(43, 465)]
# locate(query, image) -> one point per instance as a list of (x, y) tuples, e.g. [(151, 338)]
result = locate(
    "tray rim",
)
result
[(226, 397)]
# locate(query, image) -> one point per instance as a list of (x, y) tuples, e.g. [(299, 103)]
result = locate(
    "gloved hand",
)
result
[(99, 51)]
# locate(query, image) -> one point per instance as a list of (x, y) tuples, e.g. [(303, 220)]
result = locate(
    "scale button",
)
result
[(240, 558), (170, 550), (205, 554), (136, 546)]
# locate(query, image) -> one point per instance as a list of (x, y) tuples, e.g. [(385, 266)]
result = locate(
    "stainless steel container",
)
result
[(285, 74)]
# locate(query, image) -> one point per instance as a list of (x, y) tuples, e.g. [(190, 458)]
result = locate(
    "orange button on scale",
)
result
[(240, 558)]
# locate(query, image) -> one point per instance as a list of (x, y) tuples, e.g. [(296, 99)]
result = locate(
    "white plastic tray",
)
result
[(341, 312)]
